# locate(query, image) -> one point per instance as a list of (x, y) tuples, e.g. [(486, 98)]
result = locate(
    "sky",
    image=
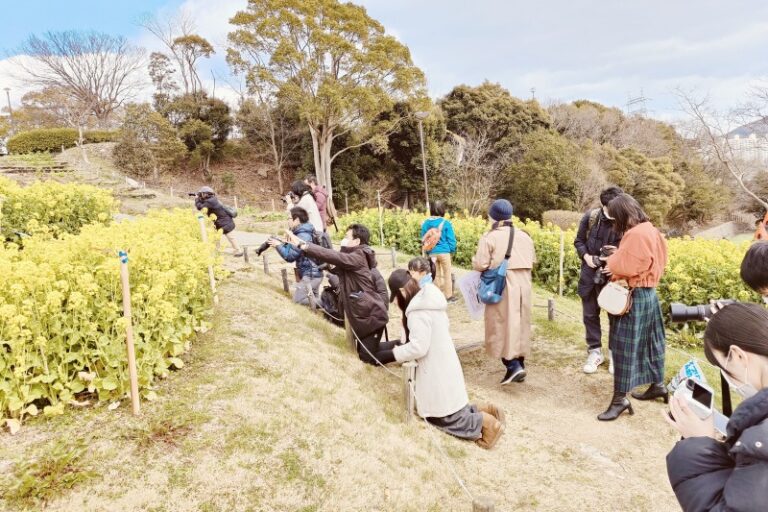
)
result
[(606, 51)]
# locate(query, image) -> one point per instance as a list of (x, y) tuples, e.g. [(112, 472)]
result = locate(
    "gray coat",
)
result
[(708, 475)]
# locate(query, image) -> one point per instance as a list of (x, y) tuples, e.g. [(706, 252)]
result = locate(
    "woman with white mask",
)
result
[(707, 474)]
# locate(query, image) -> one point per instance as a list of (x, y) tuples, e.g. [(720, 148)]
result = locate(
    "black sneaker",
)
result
[(515, 373)]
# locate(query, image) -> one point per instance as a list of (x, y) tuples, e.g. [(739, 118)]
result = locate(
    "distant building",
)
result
[(750, 142)]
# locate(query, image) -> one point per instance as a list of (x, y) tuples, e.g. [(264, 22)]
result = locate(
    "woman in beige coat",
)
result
[(508, 323)]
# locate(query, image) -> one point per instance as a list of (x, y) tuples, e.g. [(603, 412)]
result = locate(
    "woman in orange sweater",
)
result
[(637, 338)]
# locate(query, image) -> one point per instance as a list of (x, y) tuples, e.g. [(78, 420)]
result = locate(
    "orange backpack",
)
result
[(431, 238)]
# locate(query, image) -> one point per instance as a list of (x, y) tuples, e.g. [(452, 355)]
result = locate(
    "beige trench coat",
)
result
[(508, 323)]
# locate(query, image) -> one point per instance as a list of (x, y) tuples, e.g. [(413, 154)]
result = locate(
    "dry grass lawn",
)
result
[(272, 413)]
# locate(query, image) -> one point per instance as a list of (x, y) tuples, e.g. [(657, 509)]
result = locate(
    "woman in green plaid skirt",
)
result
[(636, 339)]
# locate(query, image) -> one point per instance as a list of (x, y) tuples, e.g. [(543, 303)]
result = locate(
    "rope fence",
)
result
[(479, 504)]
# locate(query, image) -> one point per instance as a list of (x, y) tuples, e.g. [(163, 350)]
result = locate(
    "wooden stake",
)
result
[(551, 310), (211, 276), (284, 275), (409, 378), (483, 504), (235, 199), (266, 264), (346, 203), (561, 279), (171, 191), (381, 218), (129, 332), (245, 254), (273, 206), (394, 257)]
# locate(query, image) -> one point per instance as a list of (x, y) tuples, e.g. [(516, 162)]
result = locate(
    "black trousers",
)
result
[(372, 343), (591, 316)]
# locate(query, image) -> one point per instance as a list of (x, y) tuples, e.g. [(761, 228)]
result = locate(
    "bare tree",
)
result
[(712, 131), (271, 128), (95, 70), (471, 170), (177, 34)]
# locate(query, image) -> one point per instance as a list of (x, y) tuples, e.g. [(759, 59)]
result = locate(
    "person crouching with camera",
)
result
[(636, 338), (308, 275), (595, 232), (732, 475)]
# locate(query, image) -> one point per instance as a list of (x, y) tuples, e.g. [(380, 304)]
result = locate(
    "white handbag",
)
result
[(615, 298)]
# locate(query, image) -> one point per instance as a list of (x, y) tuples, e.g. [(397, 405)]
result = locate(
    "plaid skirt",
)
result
[(637, 342)]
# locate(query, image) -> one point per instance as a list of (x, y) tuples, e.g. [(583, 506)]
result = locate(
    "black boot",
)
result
[(653, 392), (619, 404)]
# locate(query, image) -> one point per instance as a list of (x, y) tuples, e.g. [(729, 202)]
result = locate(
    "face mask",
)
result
[(344, 242), (424, 281), (605, 212), (765, 299), (745, 390)]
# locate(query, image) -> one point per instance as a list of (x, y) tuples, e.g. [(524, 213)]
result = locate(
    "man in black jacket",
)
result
[(365, 303), (595, 231), (206, 198)]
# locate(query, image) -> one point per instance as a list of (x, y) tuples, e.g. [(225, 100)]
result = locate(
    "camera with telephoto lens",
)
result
[(600, 279), (192, 194), (263, 247), (699, 313)]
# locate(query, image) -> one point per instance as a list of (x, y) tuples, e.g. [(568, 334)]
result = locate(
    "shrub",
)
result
[(61, 324), (563, 219), (51, 209), (46, 139), (53, 139)]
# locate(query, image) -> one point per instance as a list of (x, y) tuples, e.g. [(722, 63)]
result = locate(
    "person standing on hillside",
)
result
[(206, 198), (301, 195), (636, 338), (595, 232), (309, 274), (441, 394), (321, 198), (439, 242), (364, 301), (508, 323)]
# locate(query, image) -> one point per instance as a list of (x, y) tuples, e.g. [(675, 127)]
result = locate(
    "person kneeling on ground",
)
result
[(733, 475), (309, 275), (441, 395), (363, 291), (206, 198)]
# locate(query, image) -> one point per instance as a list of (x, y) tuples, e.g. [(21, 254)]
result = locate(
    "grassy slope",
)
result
[(272, 412)]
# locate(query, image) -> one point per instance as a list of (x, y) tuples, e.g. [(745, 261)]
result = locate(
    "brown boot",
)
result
[(493, 411), (492, 430)]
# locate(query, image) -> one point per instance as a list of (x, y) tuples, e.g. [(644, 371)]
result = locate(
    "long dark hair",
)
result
[(627, 213), (403, 298), (742, 324), (299, 188)]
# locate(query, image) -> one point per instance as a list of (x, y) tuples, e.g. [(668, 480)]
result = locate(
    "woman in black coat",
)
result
[(206, 198), (732, 475)]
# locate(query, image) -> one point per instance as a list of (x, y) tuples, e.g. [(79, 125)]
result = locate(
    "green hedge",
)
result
[(53, 139), (698, 270)]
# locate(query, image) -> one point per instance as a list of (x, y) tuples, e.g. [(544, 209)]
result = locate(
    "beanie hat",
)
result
[(397, 280), (500, 209), (206, 190)]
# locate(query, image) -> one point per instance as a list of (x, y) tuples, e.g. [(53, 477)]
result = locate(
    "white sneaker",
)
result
[(610, 362), (594, 359)]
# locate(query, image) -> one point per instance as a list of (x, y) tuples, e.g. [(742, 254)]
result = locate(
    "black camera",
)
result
[(699, 313), (600, 279), (263, 247), (192, 194)]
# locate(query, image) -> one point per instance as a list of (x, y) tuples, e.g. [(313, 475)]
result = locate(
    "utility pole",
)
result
[(533, 93)]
